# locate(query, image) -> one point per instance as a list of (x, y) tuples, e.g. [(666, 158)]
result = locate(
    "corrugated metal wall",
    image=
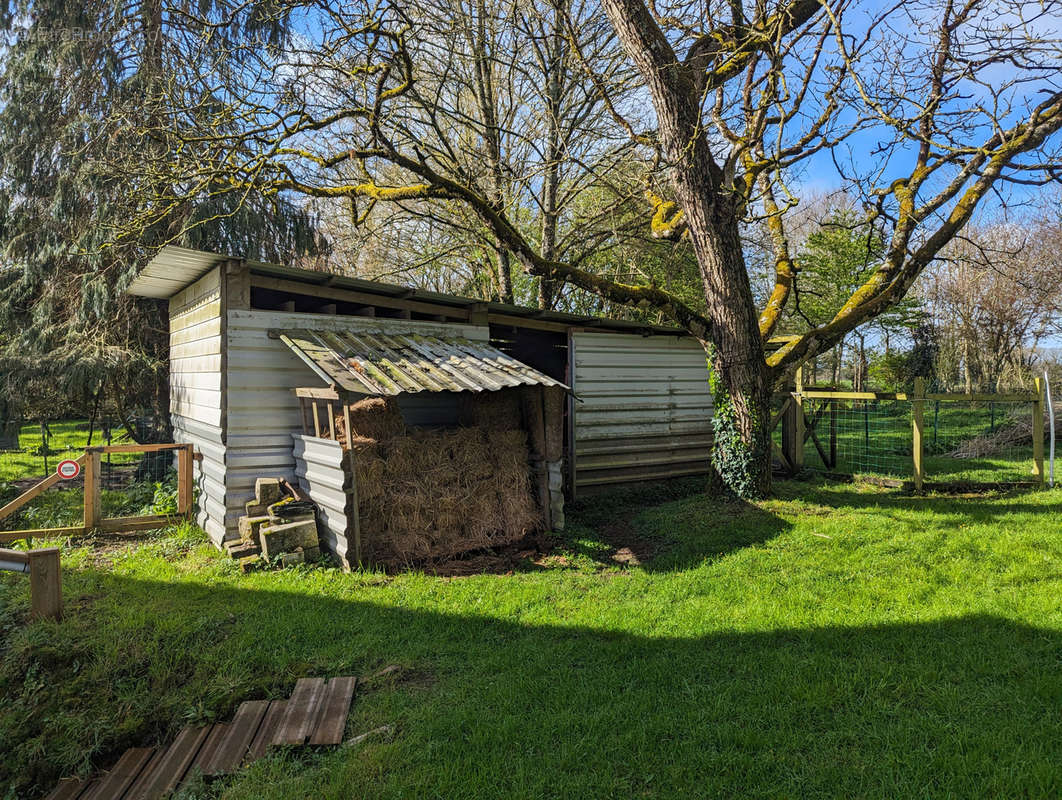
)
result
[(196, 391), (319, 469), (646, 411)]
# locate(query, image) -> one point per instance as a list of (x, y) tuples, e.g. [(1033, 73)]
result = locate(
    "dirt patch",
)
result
[(627, 546), (532, 552)]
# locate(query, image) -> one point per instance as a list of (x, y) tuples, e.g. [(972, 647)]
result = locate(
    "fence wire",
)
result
[(859, 437), (978, 442), (963, 441)]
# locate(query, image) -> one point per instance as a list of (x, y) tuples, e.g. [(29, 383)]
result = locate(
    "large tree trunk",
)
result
[(741, 453), (742, 449)]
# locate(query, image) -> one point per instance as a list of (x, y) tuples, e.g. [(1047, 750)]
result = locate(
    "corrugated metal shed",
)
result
[(389, 363)]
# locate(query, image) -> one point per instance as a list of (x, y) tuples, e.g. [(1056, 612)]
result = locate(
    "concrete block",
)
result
[(244, 549), (268, 490), (250, 527), (256, 509), (286, 537), (291, 559)]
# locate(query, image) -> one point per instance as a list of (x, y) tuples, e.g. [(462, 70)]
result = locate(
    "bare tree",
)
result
[(996, 297), (958, 98)]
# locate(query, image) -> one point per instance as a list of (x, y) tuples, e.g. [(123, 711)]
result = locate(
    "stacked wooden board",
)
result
[(315, 714)]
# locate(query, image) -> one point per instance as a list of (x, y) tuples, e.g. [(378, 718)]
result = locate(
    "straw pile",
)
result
[(1015, 432), (428, 495)]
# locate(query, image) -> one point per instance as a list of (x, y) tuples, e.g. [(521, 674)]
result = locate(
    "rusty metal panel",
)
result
[(644, 409)]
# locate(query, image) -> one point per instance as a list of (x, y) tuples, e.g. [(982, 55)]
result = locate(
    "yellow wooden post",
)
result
[(185, 480), (92, 490), (798, 419), (1038, 432), (46, 594), (918, 430)]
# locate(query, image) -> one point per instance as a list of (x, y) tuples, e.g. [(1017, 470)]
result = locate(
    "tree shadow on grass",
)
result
[(956, 707), (666, 526)]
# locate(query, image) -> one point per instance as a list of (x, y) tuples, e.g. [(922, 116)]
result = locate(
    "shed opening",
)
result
[(445, 446)]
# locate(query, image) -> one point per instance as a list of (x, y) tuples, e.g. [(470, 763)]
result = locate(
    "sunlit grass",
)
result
[(835, 641)]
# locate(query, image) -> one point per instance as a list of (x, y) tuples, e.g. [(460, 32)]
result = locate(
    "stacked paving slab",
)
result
[(278, 526)]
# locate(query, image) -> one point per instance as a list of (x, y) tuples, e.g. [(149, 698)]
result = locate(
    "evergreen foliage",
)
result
[(66, 326)]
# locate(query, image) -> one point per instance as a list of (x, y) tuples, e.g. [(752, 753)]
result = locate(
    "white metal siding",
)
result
[(196, 391), (646, 410), (319, 469), (263, 411)]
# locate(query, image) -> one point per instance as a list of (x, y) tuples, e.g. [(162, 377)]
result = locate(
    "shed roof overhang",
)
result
[(176, 267), (388, 362)]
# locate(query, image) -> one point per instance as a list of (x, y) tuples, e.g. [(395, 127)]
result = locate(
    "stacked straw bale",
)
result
[(427, 495)]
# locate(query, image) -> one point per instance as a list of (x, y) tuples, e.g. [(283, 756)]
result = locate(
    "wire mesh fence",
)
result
[(979, 442), (859, 437), (980, 439)]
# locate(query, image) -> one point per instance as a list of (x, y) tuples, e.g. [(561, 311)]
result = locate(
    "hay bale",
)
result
[(553, 413), (491, 411), (376, 418), (428, 495)]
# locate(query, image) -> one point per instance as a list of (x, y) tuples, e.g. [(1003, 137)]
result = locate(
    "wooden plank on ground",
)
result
[(233, 748), (128, 524), (114, 784), (207, 752), (40, 533), (267, 730), (69, 789), (335, 708), (168, 770), (138, 790), (304, 707)]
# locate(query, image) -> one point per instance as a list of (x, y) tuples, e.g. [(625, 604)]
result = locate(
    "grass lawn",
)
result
[(67, 441), (838, 640)]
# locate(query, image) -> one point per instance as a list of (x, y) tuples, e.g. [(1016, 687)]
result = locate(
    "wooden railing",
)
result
[(93, 519)]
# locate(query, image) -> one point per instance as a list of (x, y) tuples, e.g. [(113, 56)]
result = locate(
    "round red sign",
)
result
[(68, 469)]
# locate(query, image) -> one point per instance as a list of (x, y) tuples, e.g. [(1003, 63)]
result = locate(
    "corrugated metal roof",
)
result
[(390, 363)]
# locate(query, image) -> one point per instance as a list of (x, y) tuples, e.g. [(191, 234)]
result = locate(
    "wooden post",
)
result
[(92, 490), (1038, 432), (833, 433), (46, 593), (918, 431), (797, 457), (185, 480)]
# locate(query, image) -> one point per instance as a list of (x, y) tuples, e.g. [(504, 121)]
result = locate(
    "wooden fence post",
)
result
[(185, 480), (46, 593), (93, 510), (798, 420), (1038, 432), (918, 431)]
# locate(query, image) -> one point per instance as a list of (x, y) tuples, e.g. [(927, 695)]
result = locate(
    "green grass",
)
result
[(67, 441), (836, 641)]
